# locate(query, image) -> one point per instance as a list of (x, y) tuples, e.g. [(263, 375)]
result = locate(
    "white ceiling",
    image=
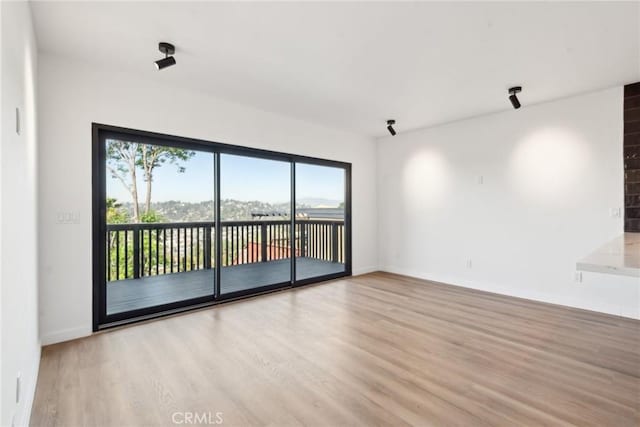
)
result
[(353, 65)]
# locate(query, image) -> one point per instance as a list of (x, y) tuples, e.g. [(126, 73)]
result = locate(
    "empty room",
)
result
[(319, 213)]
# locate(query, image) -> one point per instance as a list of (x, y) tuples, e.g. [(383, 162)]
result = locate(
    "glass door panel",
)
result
[(255, 227), (160, 226), (320, 221)]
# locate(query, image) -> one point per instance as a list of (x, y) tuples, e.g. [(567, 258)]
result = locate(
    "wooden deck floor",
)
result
[(131, 294), (377, 349)]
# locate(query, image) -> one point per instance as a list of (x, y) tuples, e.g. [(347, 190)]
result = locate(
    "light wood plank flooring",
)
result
[(378, 349)]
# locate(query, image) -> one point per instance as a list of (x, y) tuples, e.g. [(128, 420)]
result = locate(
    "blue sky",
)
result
[(242, 178)]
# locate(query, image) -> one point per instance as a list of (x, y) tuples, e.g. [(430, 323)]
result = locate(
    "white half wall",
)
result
[(20, 344), (509, 202), (75, 94)]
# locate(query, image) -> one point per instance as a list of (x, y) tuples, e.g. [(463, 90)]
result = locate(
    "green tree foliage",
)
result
[(125, 160), (152, 245), (151, 216), (115, 213)]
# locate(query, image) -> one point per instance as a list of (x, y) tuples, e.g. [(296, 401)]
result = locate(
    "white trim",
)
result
[(496, 289), (364, 270), (66, 335)]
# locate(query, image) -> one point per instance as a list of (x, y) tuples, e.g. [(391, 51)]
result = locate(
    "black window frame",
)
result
[(101, 132)]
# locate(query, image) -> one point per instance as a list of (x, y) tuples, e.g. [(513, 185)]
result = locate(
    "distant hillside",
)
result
[(311, 202), (231, 210)]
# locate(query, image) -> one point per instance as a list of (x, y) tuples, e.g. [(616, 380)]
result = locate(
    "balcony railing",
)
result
[(151, 249)]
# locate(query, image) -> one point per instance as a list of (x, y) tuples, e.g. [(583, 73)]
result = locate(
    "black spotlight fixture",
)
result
[(512, 96), (390, 128), (168, 49)]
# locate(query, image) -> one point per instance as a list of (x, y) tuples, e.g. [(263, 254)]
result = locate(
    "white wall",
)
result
[(18, 213), (551, 173), (73, 94)]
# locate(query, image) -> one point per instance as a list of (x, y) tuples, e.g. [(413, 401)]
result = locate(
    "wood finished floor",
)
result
[(377, 349)]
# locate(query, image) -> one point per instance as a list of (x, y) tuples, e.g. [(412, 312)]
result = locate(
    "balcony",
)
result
[(160, 263)]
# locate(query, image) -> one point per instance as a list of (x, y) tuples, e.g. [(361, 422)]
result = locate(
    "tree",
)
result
[(121, 163), (115, 213), (151, 217), (124, 158), (154, 156)]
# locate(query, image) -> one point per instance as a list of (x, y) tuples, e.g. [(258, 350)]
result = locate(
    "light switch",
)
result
[(71, 217)]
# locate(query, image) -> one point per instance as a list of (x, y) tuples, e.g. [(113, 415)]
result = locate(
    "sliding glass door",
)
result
[(160, 222), (255, 213), (320, 221), (180, 223)]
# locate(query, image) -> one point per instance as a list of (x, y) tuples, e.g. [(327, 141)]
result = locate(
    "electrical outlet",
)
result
[(615, 212), (469, 263), (577, 277), (480, 179), (18, 388)]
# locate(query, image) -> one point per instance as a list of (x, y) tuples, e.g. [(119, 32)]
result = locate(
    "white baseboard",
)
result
[(614, 309), (65, 335), (364, 270)]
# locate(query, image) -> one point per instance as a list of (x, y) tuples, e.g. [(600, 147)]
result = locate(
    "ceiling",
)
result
[(354, 65)]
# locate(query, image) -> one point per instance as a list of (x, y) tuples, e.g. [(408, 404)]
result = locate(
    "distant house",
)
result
[(276, 249), (321, 213), (305, 213), (312, 240)]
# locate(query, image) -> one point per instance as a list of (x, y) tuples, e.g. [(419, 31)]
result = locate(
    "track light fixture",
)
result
[(390, 128), (513, 98), (168, 49)]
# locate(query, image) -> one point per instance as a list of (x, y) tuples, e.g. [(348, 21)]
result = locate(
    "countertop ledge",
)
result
[(620, 256)]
